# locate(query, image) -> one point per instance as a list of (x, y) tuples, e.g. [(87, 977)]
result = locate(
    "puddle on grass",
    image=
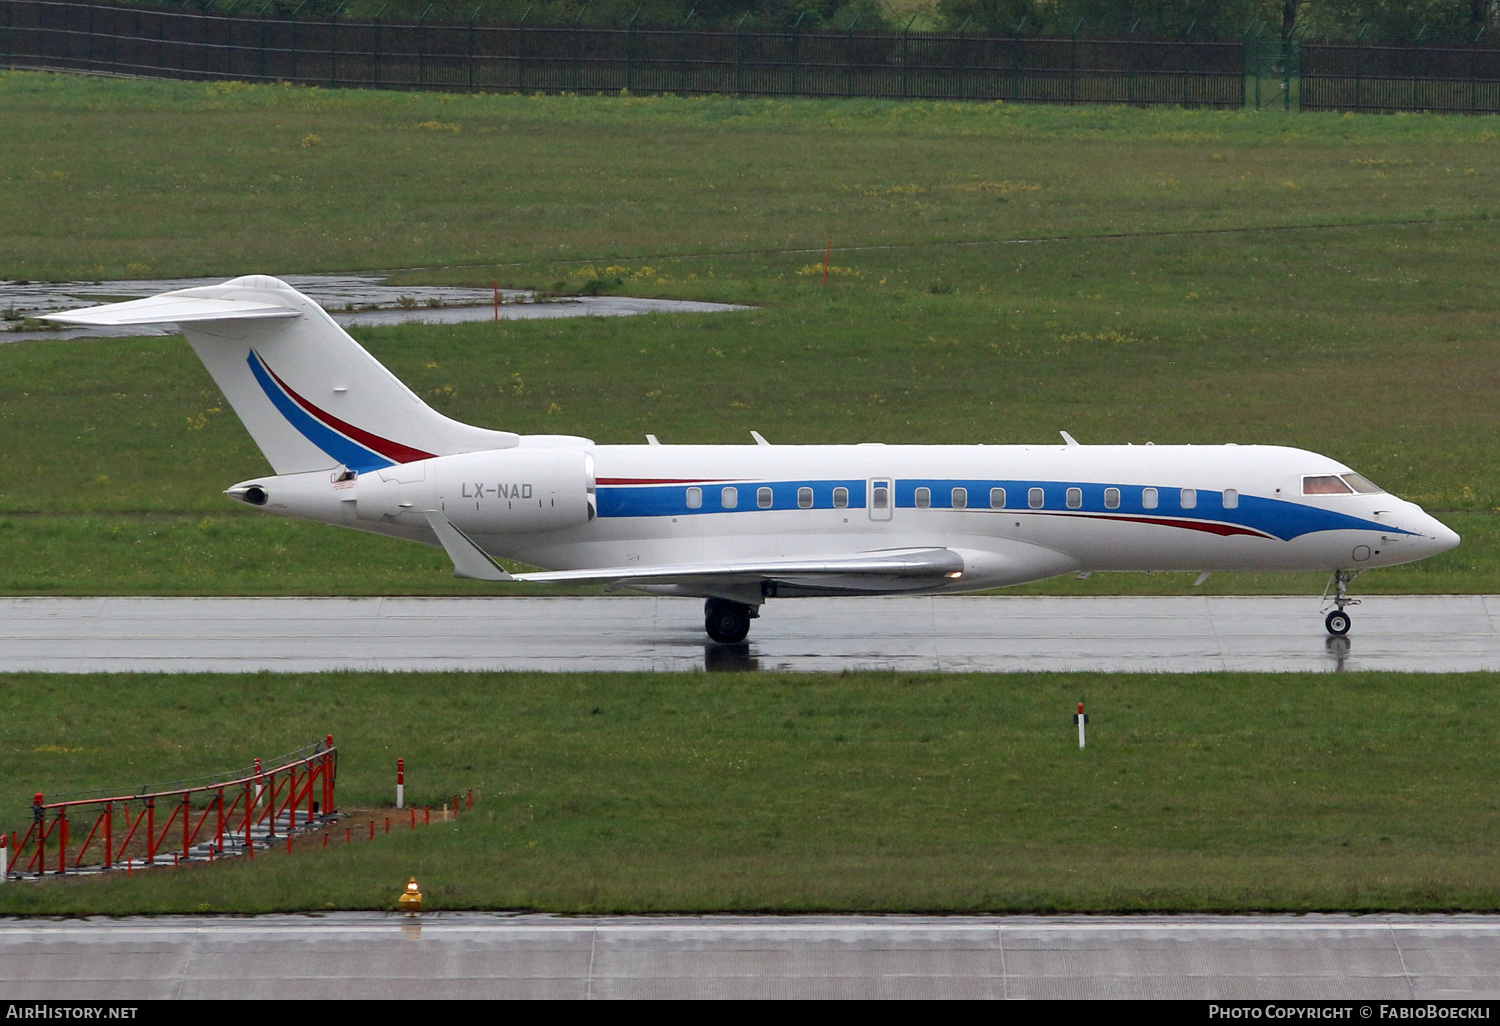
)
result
[(353, 299)]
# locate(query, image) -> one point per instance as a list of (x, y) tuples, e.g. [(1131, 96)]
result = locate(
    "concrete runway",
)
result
[(477, 955), (1182, 634)]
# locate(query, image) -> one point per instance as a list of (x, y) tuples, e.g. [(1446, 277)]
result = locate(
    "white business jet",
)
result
[(738, 524)]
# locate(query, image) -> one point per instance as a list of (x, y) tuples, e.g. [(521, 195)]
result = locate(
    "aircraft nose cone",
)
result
[(1443, 537)]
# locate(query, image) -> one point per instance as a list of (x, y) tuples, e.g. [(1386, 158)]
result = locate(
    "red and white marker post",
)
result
[(400, 783), (1082, 720), (4, 857)]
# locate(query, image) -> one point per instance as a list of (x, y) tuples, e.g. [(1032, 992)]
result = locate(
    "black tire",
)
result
[(1338, 623), (726, 622)]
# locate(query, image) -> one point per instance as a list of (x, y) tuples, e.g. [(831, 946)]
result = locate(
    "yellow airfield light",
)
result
[(411, 898)]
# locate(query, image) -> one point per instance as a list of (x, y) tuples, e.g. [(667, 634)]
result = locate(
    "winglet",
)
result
[(1068, 438), (469, 560)]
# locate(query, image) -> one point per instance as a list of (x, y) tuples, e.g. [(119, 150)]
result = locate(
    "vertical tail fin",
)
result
[(310, 396)]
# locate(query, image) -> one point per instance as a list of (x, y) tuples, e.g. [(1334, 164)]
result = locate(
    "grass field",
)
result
[(691, 792), (1314, 280), (1001, 273)]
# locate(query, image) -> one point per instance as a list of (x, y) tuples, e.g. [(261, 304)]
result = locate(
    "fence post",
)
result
[(739, 57), (39, 822), (62, 846), (849, 56), (1073, 65), (150, 831), (187, 822), (905, 57), (630, 51), (330, 764), (109, 833), (796, 35), (682, 48)]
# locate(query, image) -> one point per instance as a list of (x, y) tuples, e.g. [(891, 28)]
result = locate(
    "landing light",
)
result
[(955, 575)]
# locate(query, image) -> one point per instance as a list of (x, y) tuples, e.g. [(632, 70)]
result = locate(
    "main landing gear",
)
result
[(727, 622), (1338, 621)]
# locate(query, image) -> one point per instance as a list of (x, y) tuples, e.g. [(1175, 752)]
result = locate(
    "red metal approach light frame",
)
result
[(248, 810)]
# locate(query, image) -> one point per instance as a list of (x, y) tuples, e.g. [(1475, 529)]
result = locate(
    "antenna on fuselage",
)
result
[(1068, 438)]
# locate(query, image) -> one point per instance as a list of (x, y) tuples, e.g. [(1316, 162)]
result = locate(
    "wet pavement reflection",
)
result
[(354, 300), (1434, 633)]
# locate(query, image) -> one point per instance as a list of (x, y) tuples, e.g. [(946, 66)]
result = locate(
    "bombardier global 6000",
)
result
[(736, 525)]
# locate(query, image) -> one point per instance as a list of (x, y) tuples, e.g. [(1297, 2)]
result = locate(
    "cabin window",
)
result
[(960, 498), (1075, 498), (763, 498), (730, 497), (1189, 498), (804, 498), (1362, 484), (997, 498), (881, 497), (695, 498), (1231, 499), (1036, 497), (1325, 484), (924, 498), (1111, 498), (840, 498), (1148, 498)]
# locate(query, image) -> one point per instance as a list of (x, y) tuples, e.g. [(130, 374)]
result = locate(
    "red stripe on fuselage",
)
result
[(1206, 526), (663, 480), (387, 448)]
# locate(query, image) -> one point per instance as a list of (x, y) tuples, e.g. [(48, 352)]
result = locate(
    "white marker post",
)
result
[(4, 857), (400, 783), (1082, 720)]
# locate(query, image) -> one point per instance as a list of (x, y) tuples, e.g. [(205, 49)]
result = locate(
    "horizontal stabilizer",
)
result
[(174, 308), (469, 560), (888, 563)]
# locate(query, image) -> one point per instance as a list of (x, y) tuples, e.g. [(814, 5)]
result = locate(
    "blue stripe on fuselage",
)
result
[(1279, 518)]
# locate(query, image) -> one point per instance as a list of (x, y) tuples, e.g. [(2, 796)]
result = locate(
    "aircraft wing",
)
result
[(469, 560), (879, 563)]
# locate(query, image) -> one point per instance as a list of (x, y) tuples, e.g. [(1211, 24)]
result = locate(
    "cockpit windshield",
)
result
[(1339, 484), (1325, 484)]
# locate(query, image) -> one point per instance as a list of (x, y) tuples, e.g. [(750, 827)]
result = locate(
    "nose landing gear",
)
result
[(727, 622), (1338, 621)]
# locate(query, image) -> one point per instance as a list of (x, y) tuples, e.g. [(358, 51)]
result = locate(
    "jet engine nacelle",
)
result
[(500, 491)]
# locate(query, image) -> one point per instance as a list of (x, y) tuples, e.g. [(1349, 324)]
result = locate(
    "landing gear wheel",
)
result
[(1338, 621), (726, 622)]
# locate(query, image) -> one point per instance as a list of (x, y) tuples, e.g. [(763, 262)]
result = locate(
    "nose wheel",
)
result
[(727, 622), (1338, 621)]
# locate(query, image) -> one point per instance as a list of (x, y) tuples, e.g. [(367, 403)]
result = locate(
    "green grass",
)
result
[(1169, 305), (791, 792)]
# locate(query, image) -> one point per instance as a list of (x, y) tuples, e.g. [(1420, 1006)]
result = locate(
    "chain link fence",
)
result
[(471, 57)]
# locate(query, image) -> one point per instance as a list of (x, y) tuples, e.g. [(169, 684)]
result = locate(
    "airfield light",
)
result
[(411, 898)]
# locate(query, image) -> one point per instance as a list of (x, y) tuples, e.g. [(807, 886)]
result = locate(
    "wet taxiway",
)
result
[(477, 955), (354, 300), (960, 633)]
